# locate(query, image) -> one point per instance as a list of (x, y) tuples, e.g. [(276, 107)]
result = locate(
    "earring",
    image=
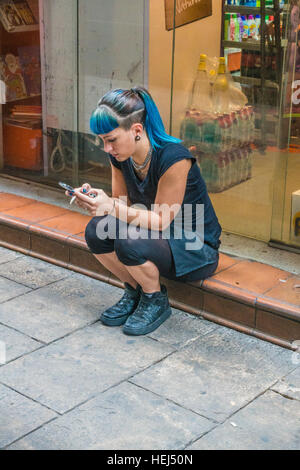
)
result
[(137, 138)]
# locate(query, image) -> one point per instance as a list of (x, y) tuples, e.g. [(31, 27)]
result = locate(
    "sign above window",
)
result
[(186, 11)]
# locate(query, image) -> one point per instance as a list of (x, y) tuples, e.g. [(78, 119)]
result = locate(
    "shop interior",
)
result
[(247, 146)]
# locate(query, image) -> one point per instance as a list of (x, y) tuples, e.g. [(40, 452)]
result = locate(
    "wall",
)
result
[(60, 63), (110, 42)]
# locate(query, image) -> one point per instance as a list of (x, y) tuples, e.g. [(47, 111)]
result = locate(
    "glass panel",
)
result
[(60, 88), (234, 136), (39, 71), (160, 58), (111, 55), (20, 75), (286, 212)]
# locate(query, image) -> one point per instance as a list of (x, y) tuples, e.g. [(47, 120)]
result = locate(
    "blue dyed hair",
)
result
[(122, 108)]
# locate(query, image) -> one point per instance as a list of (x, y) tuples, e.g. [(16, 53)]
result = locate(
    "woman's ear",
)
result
[(137, 129)]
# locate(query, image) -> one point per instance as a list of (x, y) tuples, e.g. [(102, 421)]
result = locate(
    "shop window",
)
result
[(20, 75)]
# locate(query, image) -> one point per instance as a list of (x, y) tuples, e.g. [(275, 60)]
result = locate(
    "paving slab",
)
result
[(53, 311), (125, 417), (8, 255), (180, 329), (32, 272), (271, 422), (64, 374), (19, 416), (16, 344), (10, 289), (224, 370), (290, 385)]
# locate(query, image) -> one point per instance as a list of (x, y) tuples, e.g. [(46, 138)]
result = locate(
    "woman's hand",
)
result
[(93, 200)]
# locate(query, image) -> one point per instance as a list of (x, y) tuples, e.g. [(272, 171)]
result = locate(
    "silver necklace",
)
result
[(144, 164)]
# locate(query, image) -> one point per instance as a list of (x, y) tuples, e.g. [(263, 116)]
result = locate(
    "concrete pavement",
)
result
[(69, 382)]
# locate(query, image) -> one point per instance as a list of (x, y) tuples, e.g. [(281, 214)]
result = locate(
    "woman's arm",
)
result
[(168, 200)]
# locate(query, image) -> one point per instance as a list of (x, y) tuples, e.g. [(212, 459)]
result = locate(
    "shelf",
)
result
[(254, 81), (22, 99), (251, 45), (23, 29), (243, 10)]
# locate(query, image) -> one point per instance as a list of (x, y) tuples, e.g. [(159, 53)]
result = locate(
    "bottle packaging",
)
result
[(241, 28), (236, 27), (257, 29), (245, 28), (226, 27), (251, 26), (232, 28)]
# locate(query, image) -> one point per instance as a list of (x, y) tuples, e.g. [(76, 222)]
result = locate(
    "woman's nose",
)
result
[(107, 147)]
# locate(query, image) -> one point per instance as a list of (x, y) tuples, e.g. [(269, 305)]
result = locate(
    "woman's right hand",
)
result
[(84, 189)]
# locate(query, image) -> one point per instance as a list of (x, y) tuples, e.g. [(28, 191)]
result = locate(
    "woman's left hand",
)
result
[(99, 205)]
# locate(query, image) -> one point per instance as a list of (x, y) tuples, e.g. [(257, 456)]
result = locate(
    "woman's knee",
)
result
[(96, 244), (128, 252)]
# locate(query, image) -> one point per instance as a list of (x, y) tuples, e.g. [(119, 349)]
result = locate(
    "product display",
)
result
[(20, 79), (218, 129), (16, 15), (255, 61)]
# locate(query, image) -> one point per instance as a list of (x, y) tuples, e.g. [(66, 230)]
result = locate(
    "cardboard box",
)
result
[(234, 61), (22, 147), (295, 217)]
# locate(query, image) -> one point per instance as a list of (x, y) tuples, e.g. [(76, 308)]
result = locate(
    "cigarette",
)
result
[(72, 200)]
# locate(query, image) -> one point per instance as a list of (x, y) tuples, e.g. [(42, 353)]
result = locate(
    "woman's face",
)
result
[(120, 143)]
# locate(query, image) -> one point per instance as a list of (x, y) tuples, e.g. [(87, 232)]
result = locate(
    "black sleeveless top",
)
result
[(193, 246)]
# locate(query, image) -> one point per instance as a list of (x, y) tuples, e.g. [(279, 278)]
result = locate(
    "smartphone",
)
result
[(69, 188), (66, 186)]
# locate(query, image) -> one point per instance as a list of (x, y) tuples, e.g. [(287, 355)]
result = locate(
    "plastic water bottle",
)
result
[(221, 90), (223, 136), (200, 98), (227, 117), (227, 173)]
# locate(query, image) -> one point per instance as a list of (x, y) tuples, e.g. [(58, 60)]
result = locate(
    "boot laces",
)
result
[(144, 310)]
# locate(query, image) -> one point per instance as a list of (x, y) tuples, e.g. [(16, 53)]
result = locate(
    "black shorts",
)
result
[(134, 246)]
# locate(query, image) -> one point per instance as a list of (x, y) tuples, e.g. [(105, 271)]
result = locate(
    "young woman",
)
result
[(139, 243)]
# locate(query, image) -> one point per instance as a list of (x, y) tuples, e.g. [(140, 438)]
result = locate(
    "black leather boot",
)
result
[(118, 313), (151, 312)]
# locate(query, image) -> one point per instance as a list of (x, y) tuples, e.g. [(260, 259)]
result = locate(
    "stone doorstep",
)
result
[(251, 297)]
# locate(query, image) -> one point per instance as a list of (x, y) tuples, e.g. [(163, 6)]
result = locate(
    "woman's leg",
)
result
[(145, 259), (147, 275), (104, 248), (110, 261)]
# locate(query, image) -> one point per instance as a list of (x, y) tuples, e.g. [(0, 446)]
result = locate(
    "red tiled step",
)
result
[(252, 297)]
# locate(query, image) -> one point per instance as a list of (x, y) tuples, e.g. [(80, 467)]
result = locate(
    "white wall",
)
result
[(60, 62), (111, 42)]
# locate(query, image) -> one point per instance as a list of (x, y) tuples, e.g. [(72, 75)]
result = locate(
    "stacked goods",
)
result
[(221, 136), (25, 116)]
